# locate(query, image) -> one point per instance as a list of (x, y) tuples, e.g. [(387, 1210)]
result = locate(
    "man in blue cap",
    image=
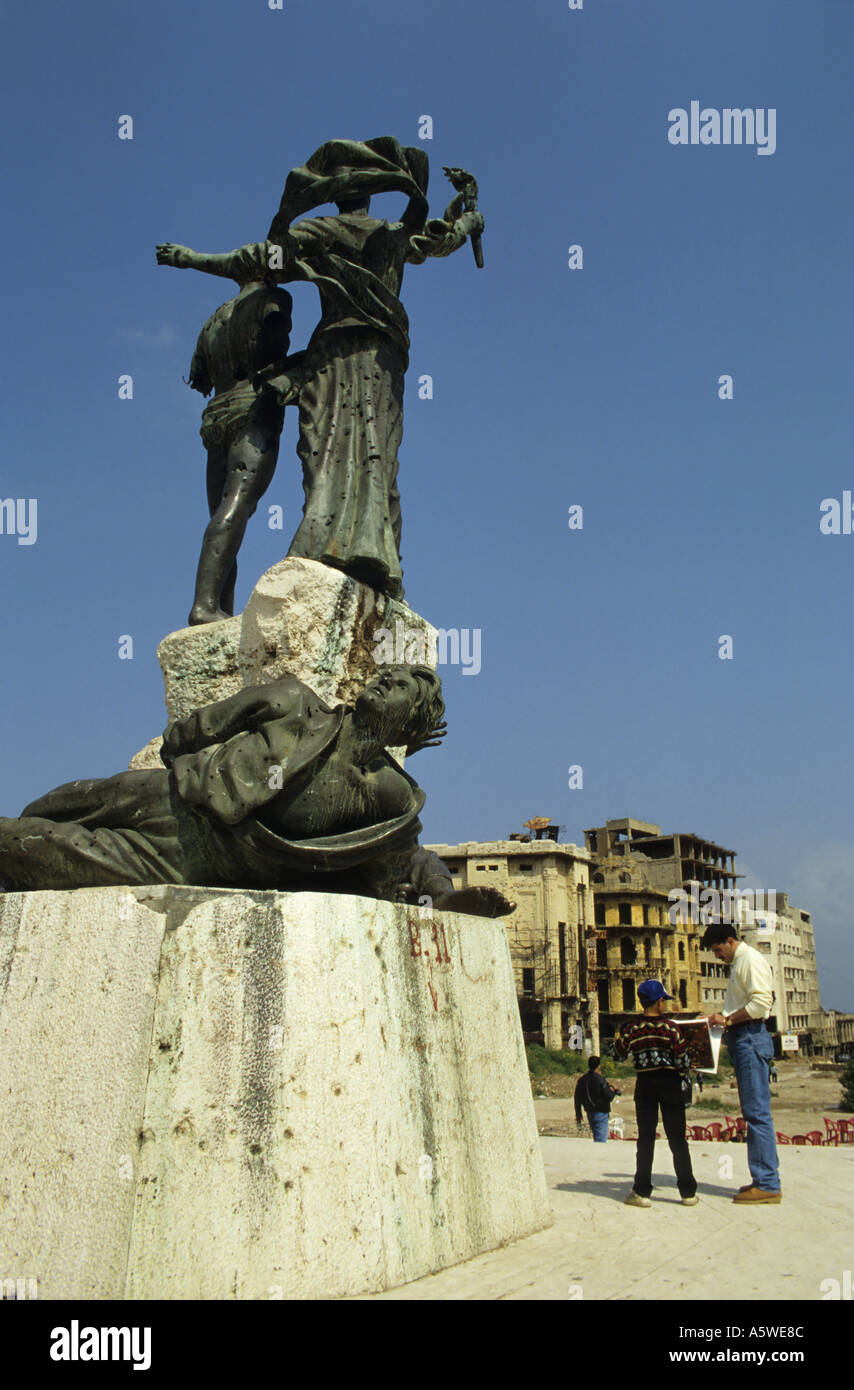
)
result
[(659, 1052)]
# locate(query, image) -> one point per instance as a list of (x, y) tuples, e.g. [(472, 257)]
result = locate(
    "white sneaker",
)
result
[(635, 1200), (690, 1201)]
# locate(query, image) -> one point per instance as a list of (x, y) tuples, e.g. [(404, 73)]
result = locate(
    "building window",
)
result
[(628, 954), (625, 878), (646, 952), (601, 952), (604, 1002), (628, 994), (625, 914), (598, 878), (681, 950), (683, 993), (527, 981), (599, 914), (525, 868)]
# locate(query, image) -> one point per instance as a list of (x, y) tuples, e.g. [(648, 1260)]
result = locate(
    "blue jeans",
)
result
[(751, 1050), (599, 1124)]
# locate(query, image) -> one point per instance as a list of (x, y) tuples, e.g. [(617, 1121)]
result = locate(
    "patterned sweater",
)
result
[(652, 1043)]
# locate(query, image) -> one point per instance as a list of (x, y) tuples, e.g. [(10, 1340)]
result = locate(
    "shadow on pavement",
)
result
[(618, 1191)]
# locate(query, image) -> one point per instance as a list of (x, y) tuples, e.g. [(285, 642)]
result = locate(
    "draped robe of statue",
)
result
[(350, 382)]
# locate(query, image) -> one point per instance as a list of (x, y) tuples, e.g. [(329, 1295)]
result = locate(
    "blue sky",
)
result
[(552, 387)]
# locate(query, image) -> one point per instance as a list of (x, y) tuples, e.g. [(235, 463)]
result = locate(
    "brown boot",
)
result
[(752, 1195)]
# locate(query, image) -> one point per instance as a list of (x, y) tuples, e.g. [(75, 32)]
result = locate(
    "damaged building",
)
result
[(547, 934)]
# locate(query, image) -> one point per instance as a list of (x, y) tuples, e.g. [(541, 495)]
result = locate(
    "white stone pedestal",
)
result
[(232, 1094)]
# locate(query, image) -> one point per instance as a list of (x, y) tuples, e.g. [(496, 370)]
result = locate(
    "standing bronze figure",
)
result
[(349, 383), (240, 429)]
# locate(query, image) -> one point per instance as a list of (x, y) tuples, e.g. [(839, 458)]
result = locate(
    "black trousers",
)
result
[(654, 1090)]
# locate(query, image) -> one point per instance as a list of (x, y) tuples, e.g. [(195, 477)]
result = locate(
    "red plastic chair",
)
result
[(846, 1136), (741, 1125), (814, 1137), (714, 1131), (696, 1132), (783, 1138), (799, 1139), (832, 1129)]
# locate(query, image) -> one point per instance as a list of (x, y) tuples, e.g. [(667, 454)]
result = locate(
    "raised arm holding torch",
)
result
[(466, 184)]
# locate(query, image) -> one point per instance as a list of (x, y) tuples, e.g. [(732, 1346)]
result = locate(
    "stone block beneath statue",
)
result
[(302, 619)]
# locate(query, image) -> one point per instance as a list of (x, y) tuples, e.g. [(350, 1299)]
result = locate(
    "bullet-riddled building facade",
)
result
[(547, 934), (635, 857), (662, 864), (634, 939), (669, 861), (838, 1035), (785, 936)]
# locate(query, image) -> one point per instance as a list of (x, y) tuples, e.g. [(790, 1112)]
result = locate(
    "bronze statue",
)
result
[(349, 383), (240, 429), (270, 788)]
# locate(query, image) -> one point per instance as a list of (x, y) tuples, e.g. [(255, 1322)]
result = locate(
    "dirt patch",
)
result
[(800, 1101)]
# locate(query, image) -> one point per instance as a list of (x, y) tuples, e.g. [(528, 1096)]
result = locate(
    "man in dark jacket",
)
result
[(595, 1094)]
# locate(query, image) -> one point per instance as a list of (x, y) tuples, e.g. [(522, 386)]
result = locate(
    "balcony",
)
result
[(641, 970), (666, 925)]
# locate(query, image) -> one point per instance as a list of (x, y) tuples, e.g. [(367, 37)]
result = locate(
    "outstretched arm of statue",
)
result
[(430, 881), (476, 902), (251, 262), (185, 258)]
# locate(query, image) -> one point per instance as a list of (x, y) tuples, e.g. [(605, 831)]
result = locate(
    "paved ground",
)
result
[(600, 1249)]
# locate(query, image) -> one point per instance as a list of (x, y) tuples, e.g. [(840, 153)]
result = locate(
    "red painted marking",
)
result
[(416, 950), (445, 939)]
